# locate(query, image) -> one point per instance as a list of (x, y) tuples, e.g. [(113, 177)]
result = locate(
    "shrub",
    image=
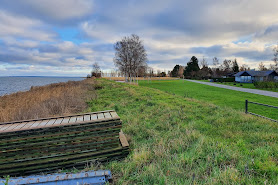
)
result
[(231, 79), (266, 85)]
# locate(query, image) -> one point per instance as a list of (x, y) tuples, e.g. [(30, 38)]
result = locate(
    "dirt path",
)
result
[(253, 91)]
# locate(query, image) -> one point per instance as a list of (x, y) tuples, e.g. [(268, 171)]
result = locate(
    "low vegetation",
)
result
[(230, 79), (140, 78), (266, 85), (248, 85), (181, 140), (43, 101)]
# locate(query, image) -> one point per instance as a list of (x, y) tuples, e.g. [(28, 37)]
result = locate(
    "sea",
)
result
[(9, 85)]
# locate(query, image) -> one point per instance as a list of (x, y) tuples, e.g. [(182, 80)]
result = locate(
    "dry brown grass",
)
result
[(50, 100), (140, 78)]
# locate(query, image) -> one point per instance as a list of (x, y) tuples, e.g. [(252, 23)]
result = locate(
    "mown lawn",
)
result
[(180, 140), (243, 85), (218, 96)]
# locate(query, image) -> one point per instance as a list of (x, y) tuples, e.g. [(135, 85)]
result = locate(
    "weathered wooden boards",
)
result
[(49, 144)]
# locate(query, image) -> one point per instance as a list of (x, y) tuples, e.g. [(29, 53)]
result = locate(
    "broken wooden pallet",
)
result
[(49, 144)]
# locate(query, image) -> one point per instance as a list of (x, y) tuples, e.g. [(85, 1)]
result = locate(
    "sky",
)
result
[(65, 37)]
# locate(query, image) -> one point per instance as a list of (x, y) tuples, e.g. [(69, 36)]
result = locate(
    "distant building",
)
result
[(253, 76)]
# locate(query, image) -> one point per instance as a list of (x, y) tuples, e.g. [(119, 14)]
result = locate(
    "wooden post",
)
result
[(246, 106)]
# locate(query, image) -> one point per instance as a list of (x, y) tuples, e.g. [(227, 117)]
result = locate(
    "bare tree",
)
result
[(215, 61), (129, 56), (158, 72), (227, 64), (180, 72), (204, 63), (96, 70), (142, 71), (275, 59), (244, 67), (262, 67)]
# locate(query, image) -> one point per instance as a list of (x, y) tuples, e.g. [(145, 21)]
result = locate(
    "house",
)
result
[(252, 76)]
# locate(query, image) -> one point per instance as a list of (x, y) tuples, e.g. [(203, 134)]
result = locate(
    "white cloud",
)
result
[(12, 26)]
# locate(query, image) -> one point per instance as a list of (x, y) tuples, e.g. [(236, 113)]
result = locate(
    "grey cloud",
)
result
[(67, 12), (46, 48), (208, 51), (259, 56)]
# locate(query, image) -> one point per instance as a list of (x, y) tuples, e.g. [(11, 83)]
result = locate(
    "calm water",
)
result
[(10, 85)]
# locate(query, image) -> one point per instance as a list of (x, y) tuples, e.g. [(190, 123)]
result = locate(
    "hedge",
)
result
[(231, 79)]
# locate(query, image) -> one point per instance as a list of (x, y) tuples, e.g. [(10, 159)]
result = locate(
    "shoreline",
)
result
[(47, 100), (10, 85)]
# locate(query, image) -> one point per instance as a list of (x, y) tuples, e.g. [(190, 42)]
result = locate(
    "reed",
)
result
[(50, 100)]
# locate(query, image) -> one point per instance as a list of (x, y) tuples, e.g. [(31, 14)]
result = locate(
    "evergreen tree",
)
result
[(192, 67), (235, 66), (175, 71)]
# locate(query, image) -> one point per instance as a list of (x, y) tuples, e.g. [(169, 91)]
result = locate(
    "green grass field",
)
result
[(243, 85), (180, 140), (218, 96)]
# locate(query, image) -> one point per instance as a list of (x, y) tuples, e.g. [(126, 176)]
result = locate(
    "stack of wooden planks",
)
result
[(50, 144)]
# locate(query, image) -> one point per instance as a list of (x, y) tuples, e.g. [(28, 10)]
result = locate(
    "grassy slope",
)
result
[(177, 140), (218, 96)]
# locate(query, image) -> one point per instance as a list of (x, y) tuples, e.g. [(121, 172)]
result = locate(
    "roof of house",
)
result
[(256, 73)]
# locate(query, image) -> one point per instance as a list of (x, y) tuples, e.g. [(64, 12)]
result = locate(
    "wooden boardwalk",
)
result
[(50, 144)]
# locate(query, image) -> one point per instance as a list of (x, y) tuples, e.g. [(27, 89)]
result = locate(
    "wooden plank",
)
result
[(29, 124), (93, 117), (79, 119), (61, 162), (46, 150), (72, 119), (58, 121), (107, 115), (4, 127), (96, 125), (13, 126), (38, 123), (87, 117), (22, 125), (48, 124), (50, 149), (114, 114), (58, 143), (100, 116), (32, 120), (59, 159), (65, 121), (60, 135), (123, 139)]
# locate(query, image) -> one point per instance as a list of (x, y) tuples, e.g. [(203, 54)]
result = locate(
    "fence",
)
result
[(247, 112)]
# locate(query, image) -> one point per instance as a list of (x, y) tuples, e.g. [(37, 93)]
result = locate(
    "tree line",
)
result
[(200, 69), (131, 61)]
